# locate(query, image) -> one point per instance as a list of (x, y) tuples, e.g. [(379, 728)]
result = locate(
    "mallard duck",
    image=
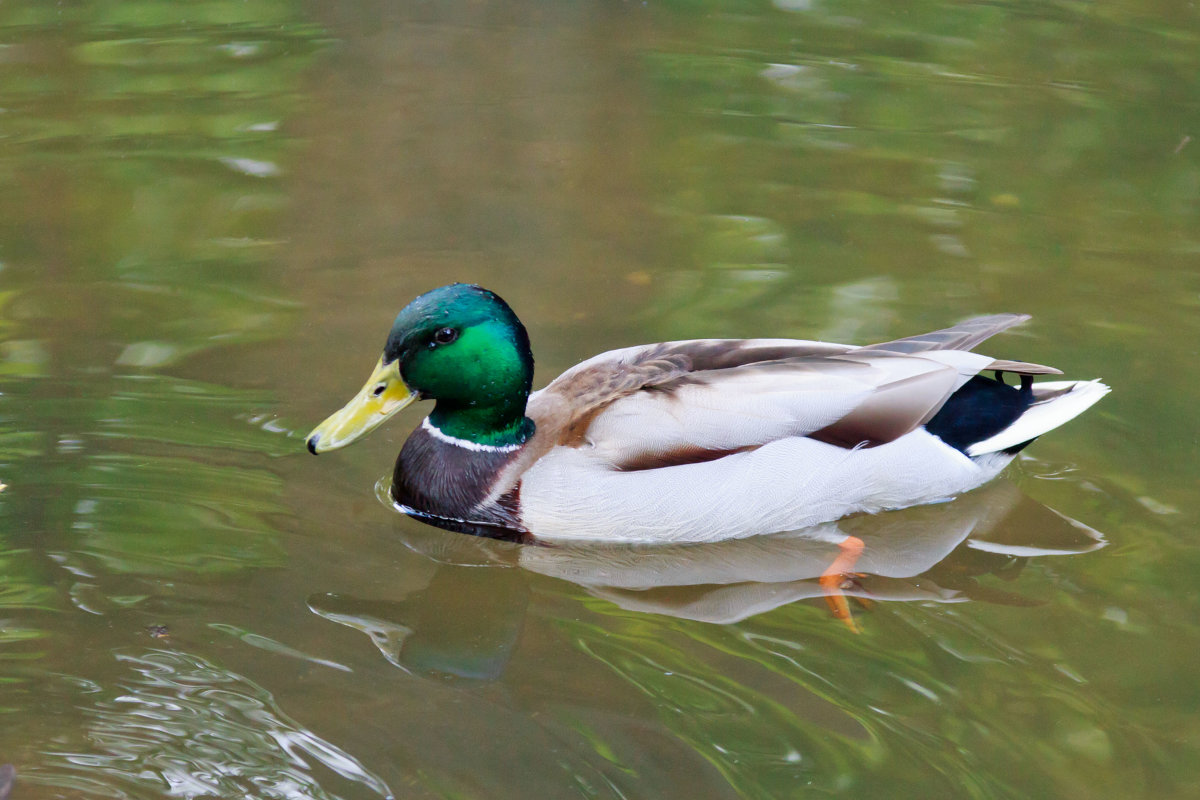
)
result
[(689, 441)]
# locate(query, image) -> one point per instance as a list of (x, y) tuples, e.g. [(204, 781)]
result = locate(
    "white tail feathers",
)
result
[(1066, 400)]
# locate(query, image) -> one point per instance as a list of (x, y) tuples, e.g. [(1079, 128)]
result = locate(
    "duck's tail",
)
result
[(1054, 403)]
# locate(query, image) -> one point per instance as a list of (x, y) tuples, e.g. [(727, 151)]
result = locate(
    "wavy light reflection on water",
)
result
[(182, 727)]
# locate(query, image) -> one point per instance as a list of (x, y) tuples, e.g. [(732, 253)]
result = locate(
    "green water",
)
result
[(212, 210)]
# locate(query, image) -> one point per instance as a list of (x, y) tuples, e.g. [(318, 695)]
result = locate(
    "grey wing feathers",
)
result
[(567, 405), (702, 355), (566, 408), (963, 336), (1022, 368)]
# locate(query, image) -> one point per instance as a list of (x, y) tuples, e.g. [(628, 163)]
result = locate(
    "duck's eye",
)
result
[(445, 336)]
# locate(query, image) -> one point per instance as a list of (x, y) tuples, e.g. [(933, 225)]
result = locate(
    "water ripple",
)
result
[(185, 727)]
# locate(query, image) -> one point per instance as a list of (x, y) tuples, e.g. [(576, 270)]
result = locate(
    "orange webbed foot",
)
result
[(839, 575)]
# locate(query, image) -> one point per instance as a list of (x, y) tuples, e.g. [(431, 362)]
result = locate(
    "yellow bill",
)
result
[(384, 394)]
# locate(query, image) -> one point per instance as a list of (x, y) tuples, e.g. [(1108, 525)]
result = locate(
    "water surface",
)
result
[(214, 209)]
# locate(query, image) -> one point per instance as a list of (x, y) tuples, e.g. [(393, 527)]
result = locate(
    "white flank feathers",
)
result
[(573, 494)]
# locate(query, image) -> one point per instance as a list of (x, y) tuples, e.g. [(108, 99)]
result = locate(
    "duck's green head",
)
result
[(459, 345)]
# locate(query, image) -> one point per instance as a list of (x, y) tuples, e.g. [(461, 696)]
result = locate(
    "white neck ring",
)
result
[(466, 444)]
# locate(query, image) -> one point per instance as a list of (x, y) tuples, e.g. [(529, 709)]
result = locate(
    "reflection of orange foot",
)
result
[(838, 576)]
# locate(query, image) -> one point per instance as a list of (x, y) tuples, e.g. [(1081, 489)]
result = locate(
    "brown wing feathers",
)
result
[(573, 401), (588, 390)]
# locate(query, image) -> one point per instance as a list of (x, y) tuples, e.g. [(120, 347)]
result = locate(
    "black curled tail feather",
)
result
[(979, 410)]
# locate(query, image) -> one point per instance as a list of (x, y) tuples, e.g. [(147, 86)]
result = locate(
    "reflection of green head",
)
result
[(463, 346)]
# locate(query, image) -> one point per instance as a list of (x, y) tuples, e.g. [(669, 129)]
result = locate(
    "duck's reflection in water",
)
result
[(929, 553), (905, 556), (454, 626)]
